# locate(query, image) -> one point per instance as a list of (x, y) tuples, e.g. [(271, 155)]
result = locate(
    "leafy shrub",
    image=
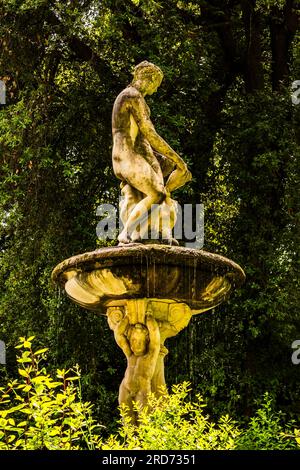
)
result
[(266, 431), (174, 423), (38, 412)]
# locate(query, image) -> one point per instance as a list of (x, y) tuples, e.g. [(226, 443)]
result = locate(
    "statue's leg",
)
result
[(131, 198), (149, 228), (158, 382), (125, 398), (167, 218), (140, 214), (142, 395), (159, 224), (142, 177)]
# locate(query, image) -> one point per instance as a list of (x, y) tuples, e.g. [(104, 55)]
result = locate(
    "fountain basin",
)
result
[(199, 279)]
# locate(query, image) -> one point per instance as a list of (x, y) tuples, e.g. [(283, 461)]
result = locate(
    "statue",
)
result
[(140, 328), (141, 347), (142, 159), (149, 292)]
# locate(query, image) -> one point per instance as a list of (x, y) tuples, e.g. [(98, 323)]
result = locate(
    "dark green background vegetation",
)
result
[(225, 106)]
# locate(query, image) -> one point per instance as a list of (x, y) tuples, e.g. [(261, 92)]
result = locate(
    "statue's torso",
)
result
[(127, 136)]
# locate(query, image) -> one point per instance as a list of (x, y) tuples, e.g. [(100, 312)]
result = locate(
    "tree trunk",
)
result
[(283, 26), (253, 70)]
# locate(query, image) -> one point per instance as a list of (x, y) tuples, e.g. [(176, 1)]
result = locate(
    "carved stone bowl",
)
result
[(97, 279)]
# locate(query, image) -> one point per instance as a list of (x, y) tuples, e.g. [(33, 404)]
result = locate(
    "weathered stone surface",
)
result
[(142, 160), (171, 317), (200, 279), (141, 327)]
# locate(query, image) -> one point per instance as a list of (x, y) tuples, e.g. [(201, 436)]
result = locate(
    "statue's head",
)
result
[(138, 337), (148, 76)]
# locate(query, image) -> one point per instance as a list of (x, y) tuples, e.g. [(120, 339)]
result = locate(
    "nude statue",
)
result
[(141, 158), (141, 345)]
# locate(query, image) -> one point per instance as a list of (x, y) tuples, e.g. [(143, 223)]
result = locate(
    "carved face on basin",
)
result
[(138, 337)]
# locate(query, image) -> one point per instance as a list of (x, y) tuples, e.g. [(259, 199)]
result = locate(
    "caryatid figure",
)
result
[(141, 345)]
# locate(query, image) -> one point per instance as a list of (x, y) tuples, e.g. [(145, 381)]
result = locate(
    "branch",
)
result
[(82, 50)]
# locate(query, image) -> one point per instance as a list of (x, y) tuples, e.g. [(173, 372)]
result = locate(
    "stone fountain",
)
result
[(149, 288)]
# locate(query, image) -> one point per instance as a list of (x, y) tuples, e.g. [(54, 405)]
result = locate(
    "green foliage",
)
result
[(265, 430), (39, 412), (175, 423)]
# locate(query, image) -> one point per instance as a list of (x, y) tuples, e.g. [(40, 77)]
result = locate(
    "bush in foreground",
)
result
[(39, 412)]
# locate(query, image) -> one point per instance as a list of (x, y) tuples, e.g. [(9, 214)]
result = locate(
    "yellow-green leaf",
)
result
[(26, 411), (22, 360), (22, 424), (41, 351), (23, 372)]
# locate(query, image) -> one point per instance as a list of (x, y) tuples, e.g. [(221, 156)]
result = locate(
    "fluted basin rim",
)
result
[(161, 254)]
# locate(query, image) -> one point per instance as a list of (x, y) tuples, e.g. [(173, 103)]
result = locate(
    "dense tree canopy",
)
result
[(225, 106)]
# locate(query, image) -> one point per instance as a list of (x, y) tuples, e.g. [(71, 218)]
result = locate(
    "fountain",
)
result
[(149, 288)]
